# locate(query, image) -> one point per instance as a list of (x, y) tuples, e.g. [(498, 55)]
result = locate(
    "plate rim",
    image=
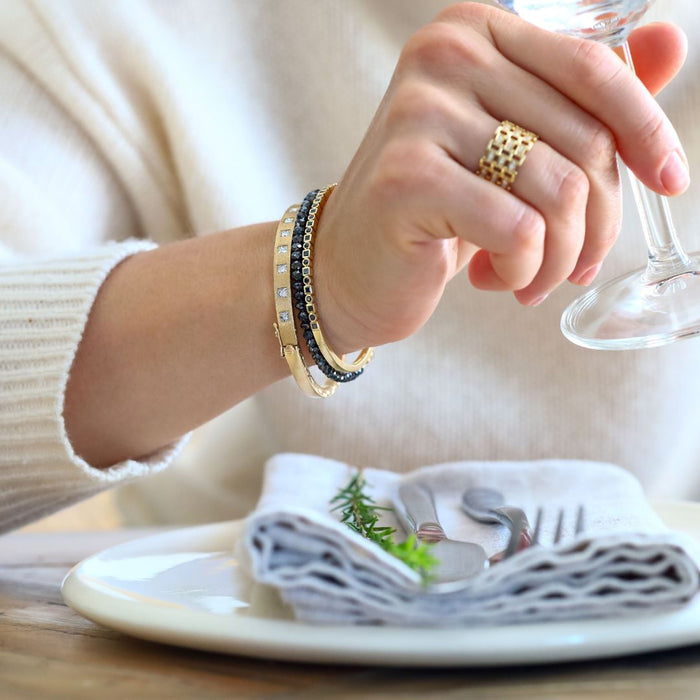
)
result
[(294, 641)]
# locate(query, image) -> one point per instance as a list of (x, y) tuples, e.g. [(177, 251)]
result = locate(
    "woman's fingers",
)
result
[(578, 194), (592, 76), (575, 192), (457, 202), (550, 185), (659, 51), (552, 188)]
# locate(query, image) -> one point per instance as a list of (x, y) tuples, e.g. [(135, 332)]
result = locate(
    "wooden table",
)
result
[(48, 651)]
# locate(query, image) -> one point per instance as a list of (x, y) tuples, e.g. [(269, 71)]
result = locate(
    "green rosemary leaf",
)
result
[(359, 513)]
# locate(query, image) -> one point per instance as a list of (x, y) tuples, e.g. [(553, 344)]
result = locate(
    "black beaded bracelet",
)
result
[(300, 293)]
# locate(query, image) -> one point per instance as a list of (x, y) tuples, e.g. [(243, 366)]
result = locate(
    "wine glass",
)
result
[(656, 304)]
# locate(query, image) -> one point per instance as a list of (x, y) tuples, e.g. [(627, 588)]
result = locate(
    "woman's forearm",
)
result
[(176, 336)]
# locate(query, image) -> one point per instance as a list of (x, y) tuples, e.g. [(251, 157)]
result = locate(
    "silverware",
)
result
[(558, 535), (518, 529), (488, 506), (456, 560)]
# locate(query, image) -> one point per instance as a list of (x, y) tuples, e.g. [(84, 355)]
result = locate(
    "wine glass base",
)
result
[(631, 312)]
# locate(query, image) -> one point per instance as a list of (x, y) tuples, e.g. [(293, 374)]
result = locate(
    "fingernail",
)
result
[(539, 300), (589, 275), (674, 175)]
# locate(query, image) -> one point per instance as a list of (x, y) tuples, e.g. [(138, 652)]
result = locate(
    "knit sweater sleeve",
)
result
[(43, 309), (67, 219)]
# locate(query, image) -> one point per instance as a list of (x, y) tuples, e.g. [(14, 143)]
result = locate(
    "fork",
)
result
[(520, 524), (559, 528)]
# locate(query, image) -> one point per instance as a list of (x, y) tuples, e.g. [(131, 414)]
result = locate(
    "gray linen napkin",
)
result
[(625, 562)]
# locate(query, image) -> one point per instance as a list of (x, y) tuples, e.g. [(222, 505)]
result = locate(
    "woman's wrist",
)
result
[(298, 324)]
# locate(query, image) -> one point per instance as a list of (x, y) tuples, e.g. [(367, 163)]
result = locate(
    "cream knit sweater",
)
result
[(136, 123)]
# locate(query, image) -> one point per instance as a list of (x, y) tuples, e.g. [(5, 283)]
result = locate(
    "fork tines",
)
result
[(559, 527)]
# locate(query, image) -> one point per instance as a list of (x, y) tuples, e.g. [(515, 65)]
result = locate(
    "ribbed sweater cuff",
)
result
[(43, 311)]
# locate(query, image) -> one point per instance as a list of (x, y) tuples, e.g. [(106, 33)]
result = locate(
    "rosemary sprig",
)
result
[(361, 514)]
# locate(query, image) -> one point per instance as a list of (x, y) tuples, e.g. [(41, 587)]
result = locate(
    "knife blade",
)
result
[(456, 559)]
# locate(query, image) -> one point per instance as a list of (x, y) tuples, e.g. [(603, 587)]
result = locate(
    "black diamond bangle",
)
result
[(302, 284)]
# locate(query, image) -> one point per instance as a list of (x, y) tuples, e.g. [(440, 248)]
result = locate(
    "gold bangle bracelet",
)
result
[(285, 330), (337, 362)]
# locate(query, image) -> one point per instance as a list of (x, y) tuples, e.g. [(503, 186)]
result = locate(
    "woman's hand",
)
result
[(410, 212)]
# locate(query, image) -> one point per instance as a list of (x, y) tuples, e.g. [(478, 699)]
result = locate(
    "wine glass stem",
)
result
[(666, 255)]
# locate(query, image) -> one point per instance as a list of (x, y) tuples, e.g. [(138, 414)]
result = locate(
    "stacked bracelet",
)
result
[(294, 270), (328, 362), (284, 326)]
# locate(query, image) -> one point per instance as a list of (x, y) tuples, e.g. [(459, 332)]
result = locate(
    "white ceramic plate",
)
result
[(183, 587)]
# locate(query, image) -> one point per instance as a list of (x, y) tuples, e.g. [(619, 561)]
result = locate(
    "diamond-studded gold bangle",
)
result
[(505, 154), (338, 369), (285, 329)]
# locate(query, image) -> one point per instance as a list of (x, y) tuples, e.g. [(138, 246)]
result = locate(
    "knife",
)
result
[(456, 560)]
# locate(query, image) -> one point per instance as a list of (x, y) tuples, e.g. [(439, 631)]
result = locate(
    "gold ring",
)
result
[(505, 153)]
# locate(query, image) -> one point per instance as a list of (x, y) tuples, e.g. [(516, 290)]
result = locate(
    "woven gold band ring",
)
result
[(505, 154)]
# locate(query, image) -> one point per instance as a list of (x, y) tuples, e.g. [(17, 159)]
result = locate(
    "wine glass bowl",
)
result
[(660, 303), (607, 21)]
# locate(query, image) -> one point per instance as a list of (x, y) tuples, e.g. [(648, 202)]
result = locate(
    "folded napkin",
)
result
[(625, 562)]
